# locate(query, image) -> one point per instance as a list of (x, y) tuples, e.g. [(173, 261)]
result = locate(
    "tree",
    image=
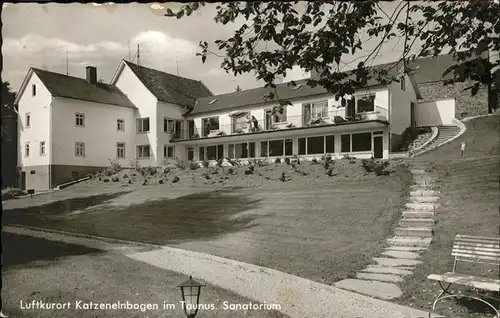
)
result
[(238, 88), (324, 33), (8, 98)]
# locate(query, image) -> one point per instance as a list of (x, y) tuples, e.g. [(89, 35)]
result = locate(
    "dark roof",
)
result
[(170, 88), (78, 88), (431, 69), (257, 95)]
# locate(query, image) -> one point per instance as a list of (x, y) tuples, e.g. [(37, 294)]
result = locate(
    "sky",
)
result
[(39, 35)]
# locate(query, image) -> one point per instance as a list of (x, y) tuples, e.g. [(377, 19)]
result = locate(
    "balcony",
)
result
[(337, 117)]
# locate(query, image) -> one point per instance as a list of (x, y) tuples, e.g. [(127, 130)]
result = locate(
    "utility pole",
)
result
[(177, 61), (138, 55)]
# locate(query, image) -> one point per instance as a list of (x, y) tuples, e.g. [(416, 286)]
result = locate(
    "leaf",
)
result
[(203, 58)]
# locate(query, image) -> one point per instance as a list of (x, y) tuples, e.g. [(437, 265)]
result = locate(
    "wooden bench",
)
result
[(471, 249)]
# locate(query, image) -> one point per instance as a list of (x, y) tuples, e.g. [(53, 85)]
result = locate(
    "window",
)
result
[(275, 148), (42, 148), (28, 120), (362, 142), (172, 126), (80, 120), (190, 154), (345, 143), (241, 150), (168, 151), (366, 104), (143, 125), (279, 117), (263, 149), (27, 150), (210, 123), (302, 146), (403, 83), (33, 90), (240, 122), (32, 172), (288, 147), (120, 150), (80, 149), (191, 130), (214, 152), (143, 152), (201, 153), (314, 111), (330, 144), (315, 145), (120, 125)]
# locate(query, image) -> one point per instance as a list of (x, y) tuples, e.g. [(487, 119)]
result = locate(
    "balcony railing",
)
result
[(298, 121)]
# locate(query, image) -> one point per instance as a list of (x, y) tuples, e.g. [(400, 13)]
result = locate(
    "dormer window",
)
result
[(33, 90)]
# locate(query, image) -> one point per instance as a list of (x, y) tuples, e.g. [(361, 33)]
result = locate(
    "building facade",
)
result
[(70, 127)]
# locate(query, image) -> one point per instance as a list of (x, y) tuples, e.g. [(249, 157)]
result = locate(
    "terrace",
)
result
[(244, 123)]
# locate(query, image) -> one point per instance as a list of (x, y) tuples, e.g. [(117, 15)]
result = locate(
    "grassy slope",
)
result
[(59, 272), (324, 228), (470, 200)]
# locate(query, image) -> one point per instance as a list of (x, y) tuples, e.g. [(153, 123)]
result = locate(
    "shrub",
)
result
[(115, 179), (115, 165), (287, 160), (379, 168), (248, 172), (175, 179), (193, 165), (251, 168), (284, 177), (231, 171), (206, 163), (160, 181), (206, 176), (11, 193), (368, 164), (125, 176), (382, 169), (214, 170), (105, 180), (135, 164), (149, 170), (314, 161), (277, 160), (331, 172)]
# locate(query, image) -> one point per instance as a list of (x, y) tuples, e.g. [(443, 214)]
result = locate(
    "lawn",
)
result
[(324, 228), (469, 205), (56, 272)]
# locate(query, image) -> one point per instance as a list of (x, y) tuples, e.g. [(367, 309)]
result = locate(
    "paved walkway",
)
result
[(297, 297), (411, 238)]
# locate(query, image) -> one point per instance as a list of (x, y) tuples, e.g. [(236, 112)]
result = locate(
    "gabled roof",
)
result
[(61, 85), (256, 96), (170, 88)]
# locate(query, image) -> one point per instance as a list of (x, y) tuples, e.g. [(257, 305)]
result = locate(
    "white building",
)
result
[(70, 127)]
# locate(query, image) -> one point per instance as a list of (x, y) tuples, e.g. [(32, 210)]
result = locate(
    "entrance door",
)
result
[(23, 180), (413, 121), (378, 147)]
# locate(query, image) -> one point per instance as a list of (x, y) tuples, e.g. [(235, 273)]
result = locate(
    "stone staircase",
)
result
[(411, 238), (445, 133)]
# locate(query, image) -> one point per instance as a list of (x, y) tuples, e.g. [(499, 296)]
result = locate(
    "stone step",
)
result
[(413, 214), (404, 222), (423, 199), (386, 291), (405, 248), (424, 193), (398, 262), (422, 206), (427, 187), (410, 241), (380, 277), (386, 270), (413, 231), (418, 171), (401, 254)]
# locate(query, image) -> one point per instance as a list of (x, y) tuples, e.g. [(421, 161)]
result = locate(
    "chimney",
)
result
[(91, 74)]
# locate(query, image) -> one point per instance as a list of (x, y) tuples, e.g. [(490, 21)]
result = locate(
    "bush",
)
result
[(105, 180), (277, 160), (231, 171), (331, 172), (11, 193), (175, 179), (287, 160), (115, 165), (193, 165), (115, 179), (214, 170), (206, 163), (160, 181), (135, 165), (379, 168), (382, 169), (248, 172), (314, 161), (251, 168)]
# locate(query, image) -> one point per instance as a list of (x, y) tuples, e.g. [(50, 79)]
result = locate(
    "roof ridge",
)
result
[(61, 74), (170, 74)]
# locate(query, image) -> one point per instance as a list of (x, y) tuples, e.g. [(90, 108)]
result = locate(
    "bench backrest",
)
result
[(476, 249)]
